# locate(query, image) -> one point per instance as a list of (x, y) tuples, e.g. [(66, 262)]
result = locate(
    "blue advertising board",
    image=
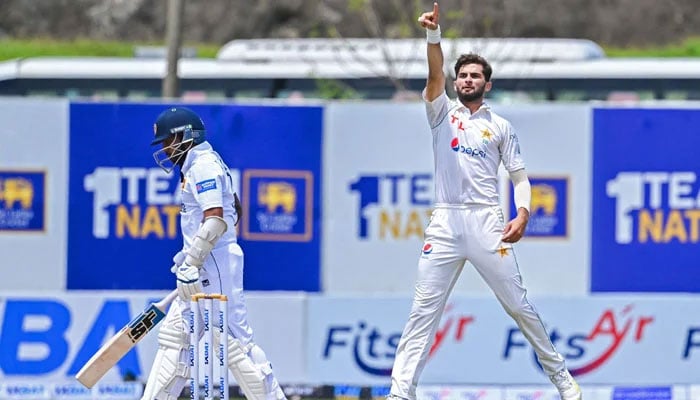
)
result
[(123, 218), (22, 200), (549, 207), (646, 209)]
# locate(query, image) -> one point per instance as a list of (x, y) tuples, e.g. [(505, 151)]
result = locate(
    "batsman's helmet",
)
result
[(178, 119), (187, 129)]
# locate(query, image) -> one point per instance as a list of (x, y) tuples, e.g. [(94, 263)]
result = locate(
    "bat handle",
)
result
[(163, 304)]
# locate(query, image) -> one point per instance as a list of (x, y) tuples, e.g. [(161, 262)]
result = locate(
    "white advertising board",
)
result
[(50, 336), (619, 340), (33, 171), (378, 193), (556, 142)]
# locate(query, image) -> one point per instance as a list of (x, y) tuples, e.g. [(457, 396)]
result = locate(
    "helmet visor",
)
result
[(172, 154)]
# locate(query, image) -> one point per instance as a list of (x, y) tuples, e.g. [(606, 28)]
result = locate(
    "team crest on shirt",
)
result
[(486, 136)]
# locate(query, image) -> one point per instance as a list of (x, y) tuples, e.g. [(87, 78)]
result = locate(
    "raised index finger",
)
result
[(436, 11)]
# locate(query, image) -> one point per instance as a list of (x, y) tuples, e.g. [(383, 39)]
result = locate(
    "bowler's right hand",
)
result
[(430, 20)]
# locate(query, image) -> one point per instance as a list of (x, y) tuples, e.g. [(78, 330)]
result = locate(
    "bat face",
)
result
[(112, 351), (144, 323)]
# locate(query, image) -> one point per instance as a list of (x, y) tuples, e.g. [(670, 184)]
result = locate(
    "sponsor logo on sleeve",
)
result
[(206, 185)]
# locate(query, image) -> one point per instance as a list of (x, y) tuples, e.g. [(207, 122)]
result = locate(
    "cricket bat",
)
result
[(120, 344)]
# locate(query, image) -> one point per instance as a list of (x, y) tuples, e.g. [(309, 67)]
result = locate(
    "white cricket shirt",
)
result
[(467, 150), (207, 184)]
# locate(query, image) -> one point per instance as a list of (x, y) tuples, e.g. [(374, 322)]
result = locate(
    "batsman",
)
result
[(211, 261)]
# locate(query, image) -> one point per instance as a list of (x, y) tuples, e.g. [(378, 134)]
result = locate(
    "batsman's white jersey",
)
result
[(207, 184), (466, 225)]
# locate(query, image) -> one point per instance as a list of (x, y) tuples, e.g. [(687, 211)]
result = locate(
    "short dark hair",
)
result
[(472, 58)]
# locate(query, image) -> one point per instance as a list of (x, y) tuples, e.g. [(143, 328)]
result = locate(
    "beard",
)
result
[(477, 94)]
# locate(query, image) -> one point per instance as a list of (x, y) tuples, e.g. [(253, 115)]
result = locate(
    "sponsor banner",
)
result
[(549, 207), (603, 339), (25, 390), (694, 392), (33, 180), (447, 392), (643, 393), (534, 393), (70, 390), (124, 219), (646, 208), (48, 338), (22, 200), (75, 390), (378, 194), (279, 205), (379, 190)]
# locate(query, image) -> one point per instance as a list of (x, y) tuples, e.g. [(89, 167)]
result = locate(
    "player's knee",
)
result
[(516, 309), (173, 336), (169, 373)]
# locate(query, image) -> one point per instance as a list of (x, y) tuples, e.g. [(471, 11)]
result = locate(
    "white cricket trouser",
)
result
[(457, 234), (222, 273)]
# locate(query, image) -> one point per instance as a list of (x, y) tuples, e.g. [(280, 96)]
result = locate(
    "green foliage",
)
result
[(315, 32), (332, 32), (336, 90), (356, 5), (11, 48), (450, 33), (688, 48), (453, 15), (405, 31)]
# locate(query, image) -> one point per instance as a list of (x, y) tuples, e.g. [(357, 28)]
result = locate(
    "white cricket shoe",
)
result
[(566, 385)]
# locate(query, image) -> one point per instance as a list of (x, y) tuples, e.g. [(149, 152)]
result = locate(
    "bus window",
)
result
[(571, 95), (44, 93), (105, 95), (142, 94), (682, 95), (517, 96), (630, 95), (250, 94), (215, 94)]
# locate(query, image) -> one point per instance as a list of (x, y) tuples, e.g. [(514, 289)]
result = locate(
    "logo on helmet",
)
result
[(181, 128)]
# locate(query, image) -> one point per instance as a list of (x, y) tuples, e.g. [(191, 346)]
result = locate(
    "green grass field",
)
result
[(11, 48)]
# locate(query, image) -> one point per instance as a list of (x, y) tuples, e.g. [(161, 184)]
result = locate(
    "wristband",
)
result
[(433, 35)]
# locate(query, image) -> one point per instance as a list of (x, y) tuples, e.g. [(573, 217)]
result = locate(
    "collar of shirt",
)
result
[(483, 107), (192, 154)]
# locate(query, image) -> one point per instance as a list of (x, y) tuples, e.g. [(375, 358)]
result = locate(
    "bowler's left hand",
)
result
[(515, 229)]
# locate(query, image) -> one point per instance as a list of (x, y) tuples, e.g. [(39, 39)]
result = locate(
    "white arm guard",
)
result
[(522, 192), (209, 233)]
